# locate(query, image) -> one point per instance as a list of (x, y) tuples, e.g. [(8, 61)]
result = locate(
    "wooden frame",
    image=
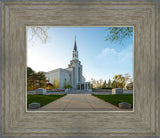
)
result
[(142, 122)]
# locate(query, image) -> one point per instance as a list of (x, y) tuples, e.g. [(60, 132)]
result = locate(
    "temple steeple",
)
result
[(75, 46), (75, 51)]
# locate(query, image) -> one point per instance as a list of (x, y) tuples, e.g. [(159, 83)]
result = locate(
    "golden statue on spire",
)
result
[(75, 37)]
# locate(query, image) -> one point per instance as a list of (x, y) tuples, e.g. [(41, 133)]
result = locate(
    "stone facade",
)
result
[(62, 75), (72, 75)]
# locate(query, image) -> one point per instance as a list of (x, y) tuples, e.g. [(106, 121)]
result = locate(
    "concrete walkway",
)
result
[(79, 102)]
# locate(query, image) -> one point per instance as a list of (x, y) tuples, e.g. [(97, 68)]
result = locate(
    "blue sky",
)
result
[(101, 59)]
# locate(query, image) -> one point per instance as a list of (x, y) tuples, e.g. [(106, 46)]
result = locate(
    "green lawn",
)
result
[(42, 99), (116, 99)]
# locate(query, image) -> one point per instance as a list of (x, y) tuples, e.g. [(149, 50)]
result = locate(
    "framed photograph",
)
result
[(80, 69), (99, 75)]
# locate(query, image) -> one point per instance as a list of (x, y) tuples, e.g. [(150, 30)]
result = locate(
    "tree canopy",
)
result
[(29, 71), (119, 34), (122, 80), (35, 79)]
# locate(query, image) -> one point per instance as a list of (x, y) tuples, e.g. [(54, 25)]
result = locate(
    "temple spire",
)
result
[(75, 46), (75, 51)]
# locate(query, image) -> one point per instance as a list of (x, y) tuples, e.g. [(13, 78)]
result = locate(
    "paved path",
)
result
[(79, 102)]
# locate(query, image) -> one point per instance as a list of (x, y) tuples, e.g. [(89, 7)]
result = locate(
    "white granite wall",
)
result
[(52, 75), (64, 74)]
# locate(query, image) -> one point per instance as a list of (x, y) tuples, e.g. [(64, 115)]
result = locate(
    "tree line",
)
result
[(119, 81)]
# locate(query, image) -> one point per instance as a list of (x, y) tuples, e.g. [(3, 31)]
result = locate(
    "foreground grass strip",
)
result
[(116, 99), (42, 99)]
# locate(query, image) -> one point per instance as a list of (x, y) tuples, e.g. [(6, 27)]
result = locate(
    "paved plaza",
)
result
[(79, 102)]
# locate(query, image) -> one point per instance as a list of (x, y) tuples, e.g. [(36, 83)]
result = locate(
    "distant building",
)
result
[(71, 75)]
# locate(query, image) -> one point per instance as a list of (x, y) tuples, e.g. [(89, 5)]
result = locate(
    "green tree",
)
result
[(35, 80), (130, 86), (31, 81), (114, 84), (104, 84), (29, 71), (97, 84), (120, 80), (100, 83), (109, 83), (41, 79), (119, 34)]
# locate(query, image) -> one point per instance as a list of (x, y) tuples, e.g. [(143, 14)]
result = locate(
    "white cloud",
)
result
[(112, 56), (107, 51)]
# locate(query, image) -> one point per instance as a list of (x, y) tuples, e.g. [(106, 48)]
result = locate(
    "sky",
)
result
[(101, 59)]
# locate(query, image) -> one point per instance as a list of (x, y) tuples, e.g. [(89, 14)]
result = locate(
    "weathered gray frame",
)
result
[(142, 122)]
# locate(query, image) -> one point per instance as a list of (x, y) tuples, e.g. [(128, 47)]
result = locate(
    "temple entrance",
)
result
[(84, 86)]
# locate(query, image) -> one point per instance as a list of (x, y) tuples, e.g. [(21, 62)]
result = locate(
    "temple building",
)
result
[(73, 75)]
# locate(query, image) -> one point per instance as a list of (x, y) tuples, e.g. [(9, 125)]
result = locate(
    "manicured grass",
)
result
[(42, 99), (116, 99)]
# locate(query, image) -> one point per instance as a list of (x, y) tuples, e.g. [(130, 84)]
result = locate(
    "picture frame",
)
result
[(143, 121)]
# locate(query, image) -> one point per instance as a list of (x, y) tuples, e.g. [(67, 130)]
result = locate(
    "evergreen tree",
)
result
[(109, 83), (29, 71), (35, 80), (100, 83), (104, 84)]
